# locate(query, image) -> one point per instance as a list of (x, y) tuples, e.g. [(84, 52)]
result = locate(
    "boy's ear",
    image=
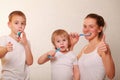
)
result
[(9, 24)]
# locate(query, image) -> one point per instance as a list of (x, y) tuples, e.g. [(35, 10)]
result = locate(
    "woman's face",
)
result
[(90, 26)]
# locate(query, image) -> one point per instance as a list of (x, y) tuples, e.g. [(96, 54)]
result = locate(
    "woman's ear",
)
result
[(100, 29)]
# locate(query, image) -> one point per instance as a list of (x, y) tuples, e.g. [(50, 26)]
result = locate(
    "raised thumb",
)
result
[(103, 38)]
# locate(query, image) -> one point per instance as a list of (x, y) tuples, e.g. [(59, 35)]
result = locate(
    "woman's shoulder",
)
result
[(81, 52)]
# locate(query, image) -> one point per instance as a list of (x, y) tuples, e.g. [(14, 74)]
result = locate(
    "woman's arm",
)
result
[(109, 64), (105, 53)]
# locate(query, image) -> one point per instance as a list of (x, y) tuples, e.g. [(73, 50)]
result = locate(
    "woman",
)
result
[(95, 60)]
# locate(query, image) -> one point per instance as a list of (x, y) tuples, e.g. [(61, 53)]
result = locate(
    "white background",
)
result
[(45, 16)]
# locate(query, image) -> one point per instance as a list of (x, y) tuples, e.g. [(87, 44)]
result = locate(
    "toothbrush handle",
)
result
[(82, 35), (49, 56)]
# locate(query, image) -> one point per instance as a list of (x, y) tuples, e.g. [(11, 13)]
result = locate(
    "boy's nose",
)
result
[(62, 43), (20, 26)]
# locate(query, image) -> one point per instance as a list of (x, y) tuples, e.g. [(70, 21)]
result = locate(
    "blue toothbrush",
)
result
[(88, 34), (49, 56), (18, 34)]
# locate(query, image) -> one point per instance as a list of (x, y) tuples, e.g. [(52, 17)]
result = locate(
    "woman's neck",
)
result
[(94, 42)]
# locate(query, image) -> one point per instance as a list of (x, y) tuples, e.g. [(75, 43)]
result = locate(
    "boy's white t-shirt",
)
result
[(62, 66), (13, 63)]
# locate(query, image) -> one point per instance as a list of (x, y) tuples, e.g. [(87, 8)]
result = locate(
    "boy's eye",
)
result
[(16, 22), (64, 39), (58, 41), (22, 23)]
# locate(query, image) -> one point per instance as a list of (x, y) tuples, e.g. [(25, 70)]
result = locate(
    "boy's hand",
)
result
[(51, 53), (9, 47), (23, 38)]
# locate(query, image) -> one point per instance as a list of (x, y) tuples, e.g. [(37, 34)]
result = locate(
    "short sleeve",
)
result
[(3, 41)]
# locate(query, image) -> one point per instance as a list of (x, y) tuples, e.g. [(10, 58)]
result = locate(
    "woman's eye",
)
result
[(84, 26), (91, 26), (22, 23)]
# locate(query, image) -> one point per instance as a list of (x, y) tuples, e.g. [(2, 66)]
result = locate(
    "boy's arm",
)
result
[(3, 51), (76, 73), (29, 57), (44, 58), (24, 41)]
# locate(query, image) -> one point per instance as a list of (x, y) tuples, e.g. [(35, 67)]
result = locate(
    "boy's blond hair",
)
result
[(18, 13), (60, 32)]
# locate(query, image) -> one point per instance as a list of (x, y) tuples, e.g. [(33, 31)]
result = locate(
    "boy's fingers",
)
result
[(10, 43)]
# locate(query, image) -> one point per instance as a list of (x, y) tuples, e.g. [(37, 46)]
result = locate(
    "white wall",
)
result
[(44, 16)]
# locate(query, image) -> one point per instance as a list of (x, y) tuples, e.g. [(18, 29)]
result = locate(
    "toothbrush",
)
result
[(49, 56), (18, 34), (88, 34)]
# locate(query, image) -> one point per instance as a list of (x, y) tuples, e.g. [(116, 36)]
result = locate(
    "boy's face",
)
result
[(17, 24), (61, 42)]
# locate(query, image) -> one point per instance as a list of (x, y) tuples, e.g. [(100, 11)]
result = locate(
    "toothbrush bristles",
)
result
[(88, 34), (19, 33)]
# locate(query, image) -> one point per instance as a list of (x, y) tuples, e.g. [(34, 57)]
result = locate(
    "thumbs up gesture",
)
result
[(103, 46)]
